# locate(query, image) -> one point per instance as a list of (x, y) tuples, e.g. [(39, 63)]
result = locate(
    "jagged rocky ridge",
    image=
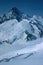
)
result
[(16, 25), (14, 13)]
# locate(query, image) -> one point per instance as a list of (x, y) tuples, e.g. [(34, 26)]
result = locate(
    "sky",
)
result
[(30, 7)]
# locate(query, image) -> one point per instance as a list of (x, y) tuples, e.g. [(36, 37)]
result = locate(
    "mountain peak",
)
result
[(15, 10), (14, 13)]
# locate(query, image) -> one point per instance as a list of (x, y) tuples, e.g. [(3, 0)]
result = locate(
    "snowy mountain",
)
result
[(14, 13), (20, 35)]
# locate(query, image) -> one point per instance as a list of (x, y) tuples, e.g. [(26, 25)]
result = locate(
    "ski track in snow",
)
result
[(30, 51)]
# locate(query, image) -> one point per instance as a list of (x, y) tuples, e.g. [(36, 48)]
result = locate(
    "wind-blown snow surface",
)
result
[(15, 49)]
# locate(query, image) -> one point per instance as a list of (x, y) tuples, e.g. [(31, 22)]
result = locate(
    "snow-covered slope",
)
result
[(21, 37), (22, 52), (26, 29), (29, 51)]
